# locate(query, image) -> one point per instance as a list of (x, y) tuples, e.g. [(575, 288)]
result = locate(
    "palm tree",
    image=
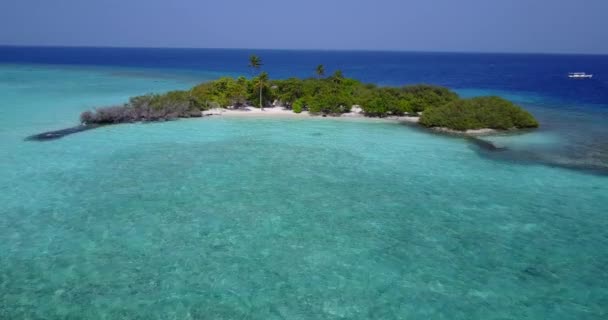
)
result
[(260, 83), (320, 71), (337, 77), (255, 63)]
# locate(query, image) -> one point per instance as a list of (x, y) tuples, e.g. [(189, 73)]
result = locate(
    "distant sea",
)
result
[(300, 219)]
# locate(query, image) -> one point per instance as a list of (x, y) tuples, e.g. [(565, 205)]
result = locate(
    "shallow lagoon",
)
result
[(297, 219)]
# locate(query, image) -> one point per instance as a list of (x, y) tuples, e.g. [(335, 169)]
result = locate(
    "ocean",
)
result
[(220, 218)]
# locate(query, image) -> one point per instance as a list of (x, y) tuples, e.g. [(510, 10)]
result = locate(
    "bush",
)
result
[(424, 96), (87, 117), (384, 102), (109, 115), (289, 90), (330, 101), (478, 113), (223, 92), (172, 105), (298, 105)]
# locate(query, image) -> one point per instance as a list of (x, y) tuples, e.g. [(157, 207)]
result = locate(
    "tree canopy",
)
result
[(255, 63), (478, 113), (320, 71)]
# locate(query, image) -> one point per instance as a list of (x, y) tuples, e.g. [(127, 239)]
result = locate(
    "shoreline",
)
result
[(277, 112), (281, 112), (284, 113)]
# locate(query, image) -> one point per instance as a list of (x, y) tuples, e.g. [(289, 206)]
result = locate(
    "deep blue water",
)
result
[(541, 74)]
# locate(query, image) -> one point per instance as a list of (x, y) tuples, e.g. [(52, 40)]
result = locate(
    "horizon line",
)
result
[(307, 49)]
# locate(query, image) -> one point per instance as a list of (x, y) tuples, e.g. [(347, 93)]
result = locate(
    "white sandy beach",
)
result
[(281, 112)]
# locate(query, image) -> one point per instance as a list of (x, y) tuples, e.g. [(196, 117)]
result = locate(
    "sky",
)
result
[(550, 26)]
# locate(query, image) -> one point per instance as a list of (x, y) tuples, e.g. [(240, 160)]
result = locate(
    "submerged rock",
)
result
[(470, 132), (485, 144), (52, 135)]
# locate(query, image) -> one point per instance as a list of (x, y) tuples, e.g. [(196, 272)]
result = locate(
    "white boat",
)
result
[(579, 75)]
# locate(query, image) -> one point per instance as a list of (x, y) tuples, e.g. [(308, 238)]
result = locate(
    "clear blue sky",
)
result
[(421, 25)]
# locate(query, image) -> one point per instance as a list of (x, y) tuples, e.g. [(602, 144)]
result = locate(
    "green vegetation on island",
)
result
[(478, 113), (324, 95)]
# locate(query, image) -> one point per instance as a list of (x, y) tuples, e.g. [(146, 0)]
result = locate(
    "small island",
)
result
[(336, 95)]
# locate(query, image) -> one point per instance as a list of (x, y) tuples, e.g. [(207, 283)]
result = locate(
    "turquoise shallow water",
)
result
[(280, 219)]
